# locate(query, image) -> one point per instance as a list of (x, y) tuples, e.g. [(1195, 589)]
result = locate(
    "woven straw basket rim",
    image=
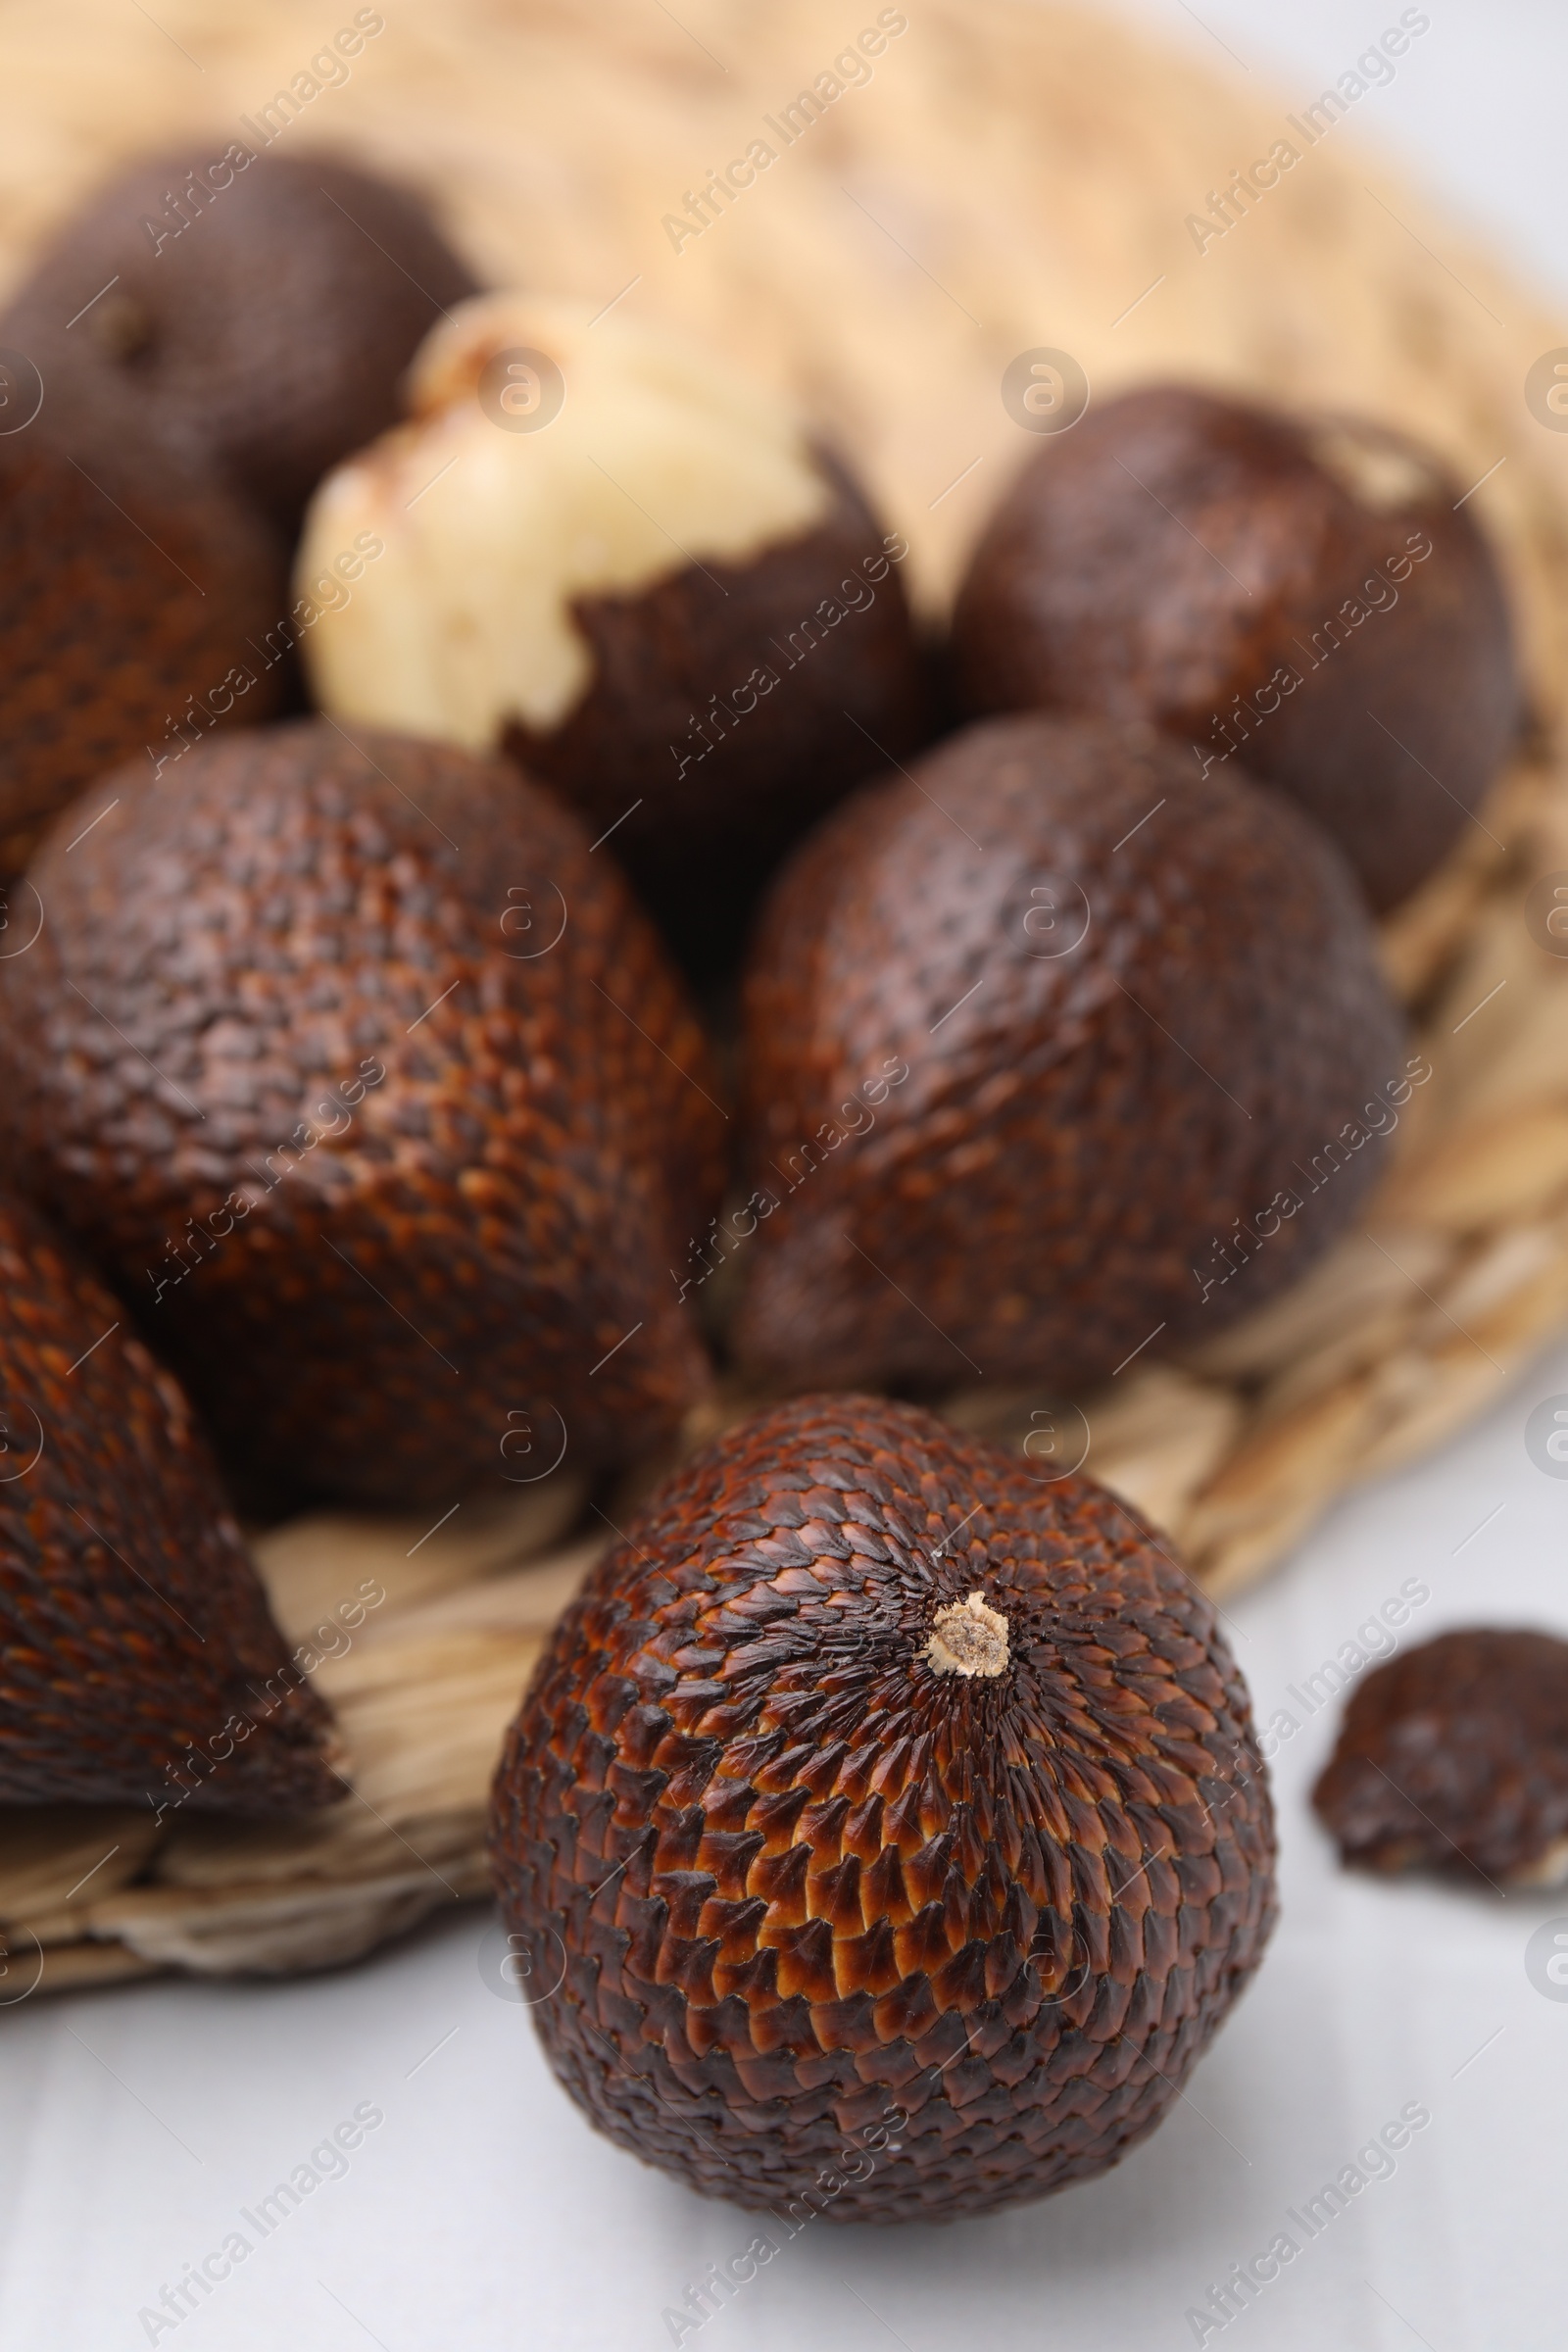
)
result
[(1007, 177)]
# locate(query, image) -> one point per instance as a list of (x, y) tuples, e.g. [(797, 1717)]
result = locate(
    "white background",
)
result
[(482, 2214)]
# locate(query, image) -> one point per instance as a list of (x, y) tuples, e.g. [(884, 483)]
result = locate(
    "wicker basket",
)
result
[(1009, 176)]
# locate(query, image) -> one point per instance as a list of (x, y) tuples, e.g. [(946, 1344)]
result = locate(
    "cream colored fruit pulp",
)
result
[(661, 456)]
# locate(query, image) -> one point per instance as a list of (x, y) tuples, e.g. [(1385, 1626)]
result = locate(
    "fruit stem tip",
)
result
[(969, 1637)]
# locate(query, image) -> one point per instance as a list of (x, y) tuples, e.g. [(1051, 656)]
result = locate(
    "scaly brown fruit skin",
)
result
[(1062, 1170), (133, 595), (848, 693), (1175, 551), (265, 338), (133, 1628), (1454, 1752), (798, 1879), (390, 1277)]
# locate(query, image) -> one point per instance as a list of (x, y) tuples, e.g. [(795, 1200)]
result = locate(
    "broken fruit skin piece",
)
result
[(1455, 1755)]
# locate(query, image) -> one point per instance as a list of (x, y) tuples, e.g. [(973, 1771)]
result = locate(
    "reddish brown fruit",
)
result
[(1144, 1046), (138, 1662), (859, 1890), (380, 1102), (135, 602), (1456, 1753), (253, 311), (1302, 599)]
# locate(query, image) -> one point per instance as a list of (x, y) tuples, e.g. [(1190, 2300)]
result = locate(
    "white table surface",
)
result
[(482, 2214)]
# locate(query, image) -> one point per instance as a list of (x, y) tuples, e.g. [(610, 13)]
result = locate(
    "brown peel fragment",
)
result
[(1454, 1754)]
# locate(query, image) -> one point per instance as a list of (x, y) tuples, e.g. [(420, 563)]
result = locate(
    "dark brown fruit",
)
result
[(138, 1661), (1142, 1042), (890, 1825), (378, 1100), (1257, 587), (262, 312), (707, 838), (135, 602), (663, 600), (1456, 1753)]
